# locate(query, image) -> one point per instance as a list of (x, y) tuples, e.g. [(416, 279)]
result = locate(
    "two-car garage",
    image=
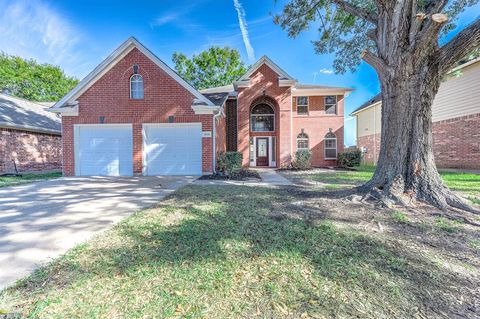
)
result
[(166, 149)]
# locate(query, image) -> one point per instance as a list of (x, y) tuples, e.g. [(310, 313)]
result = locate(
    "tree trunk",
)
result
[(406, 170)]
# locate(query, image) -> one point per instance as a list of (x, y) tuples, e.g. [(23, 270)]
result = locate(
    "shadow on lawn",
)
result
[(358, 264)]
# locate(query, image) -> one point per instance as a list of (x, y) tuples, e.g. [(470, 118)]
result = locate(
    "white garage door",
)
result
[(173, 149), (104, 150)]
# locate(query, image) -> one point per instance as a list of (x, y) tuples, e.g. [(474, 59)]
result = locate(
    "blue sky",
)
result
[(77, 35)]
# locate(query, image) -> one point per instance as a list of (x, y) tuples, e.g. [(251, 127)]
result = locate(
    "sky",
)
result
[(78, 35)]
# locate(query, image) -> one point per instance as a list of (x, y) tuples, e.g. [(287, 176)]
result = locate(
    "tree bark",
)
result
[(406, 170)]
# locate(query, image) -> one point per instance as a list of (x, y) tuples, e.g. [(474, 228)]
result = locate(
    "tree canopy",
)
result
[(33, 81), (349, 27), (210, 68)]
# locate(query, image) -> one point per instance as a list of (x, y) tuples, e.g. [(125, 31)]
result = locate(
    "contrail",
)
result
[(243, 28)]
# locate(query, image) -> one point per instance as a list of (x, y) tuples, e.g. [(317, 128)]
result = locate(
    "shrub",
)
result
[(350, 159), (229, 163), (303, 159)]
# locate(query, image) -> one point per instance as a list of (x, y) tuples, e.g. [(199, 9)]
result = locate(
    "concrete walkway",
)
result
[(42, 220), (269, 176)]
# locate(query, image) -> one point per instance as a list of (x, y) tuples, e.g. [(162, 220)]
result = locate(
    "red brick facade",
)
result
[(31, 151), (264, 88), (456, 143), (109, 98)]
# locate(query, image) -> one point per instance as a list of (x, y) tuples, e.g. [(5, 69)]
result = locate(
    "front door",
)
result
[(262, 151)]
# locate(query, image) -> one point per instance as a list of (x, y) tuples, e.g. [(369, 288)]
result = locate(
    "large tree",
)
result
[(403, 41), (210, 68), (33, 81)]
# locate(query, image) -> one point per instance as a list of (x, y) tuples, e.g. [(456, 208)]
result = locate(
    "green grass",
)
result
[(444, 224), (207, 252), (462, 182), (27, 178), (400, 217)]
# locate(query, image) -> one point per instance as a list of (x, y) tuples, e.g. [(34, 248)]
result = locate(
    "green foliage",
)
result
[(350, 159), (229, 163), (210, 68), (303, 159), (343, 33), (444, 224), (400, 217), (33, 81)]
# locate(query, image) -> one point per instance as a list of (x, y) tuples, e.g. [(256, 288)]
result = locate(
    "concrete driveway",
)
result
[(42, 220)]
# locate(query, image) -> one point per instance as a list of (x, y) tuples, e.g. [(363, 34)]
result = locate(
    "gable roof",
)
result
[(22, 114), (374, 100), (284, 77), (68, 101)]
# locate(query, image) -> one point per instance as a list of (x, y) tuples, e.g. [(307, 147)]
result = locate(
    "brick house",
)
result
[(134, 115), (30, 136), (455, 116)]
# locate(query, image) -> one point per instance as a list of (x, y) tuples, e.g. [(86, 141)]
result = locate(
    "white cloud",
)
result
[(164, 19), (243, 28), (326, 71), (32, 29)]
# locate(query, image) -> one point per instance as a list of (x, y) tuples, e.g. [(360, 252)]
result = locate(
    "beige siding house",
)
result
[(455, 116)]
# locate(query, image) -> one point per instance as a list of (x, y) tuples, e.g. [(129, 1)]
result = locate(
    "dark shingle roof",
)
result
[(216, 98), (22, 114), (373, 100)]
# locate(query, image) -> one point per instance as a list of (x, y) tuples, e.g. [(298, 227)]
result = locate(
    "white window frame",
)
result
[(329, 104), (325, 148), (252, 115), (307, 105), (136, 81), (303, 139)]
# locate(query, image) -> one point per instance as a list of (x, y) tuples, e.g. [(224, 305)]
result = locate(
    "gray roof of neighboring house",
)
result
[(219, 89), (375, 99), (26, 115)]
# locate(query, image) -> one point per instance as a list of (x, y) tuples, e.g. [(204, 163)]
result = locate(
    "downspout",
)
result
[(214, 136), (374, 134)]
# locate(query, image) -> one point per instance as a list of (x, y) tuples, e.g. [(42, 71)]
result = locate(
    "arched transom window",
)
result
[(302, 141), (262, 118), (136, 87), (330, 145)]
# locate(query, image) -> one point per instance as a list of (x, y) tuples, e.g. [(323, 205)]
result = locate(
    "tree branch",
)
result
[(356, 11), (377, 63), (461, 45)]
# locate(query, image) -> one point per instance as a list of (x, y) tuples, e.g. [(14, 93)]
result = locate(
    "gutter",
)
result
[(214, 136)]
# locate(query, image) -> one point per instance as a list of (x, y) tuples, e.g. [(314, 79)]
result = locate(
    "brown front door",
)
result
[(262, 151)]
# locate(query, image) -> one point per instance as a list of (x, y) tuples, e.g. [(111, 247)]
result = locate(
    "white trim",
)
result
[(320, 92), (325, 147), (465, 65), (366, 108), (112, 60), (144, 139), (28, 128), (204, 109), (307, 105), (271, 163), (143, 86), (76, 140)]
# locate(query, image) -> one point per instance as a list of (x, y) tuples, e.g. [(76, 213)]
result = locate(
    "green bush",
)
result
[(350, 159), (229, 163), (303, 159)]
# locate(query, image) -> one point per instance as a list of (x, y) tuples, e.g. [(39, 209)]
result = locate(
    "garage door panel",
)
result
[(173, 150), (105, 150)]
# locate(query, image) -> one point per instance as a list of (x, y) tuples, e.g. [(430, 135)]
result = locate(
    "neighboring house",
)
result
[(455, 116), (135, 115), (30, 136)]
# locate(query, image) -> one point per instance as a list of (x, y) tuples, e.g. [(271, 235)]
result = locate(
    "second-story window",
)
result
[(262, 119), (331, 104), (302, 105), (136, 87)]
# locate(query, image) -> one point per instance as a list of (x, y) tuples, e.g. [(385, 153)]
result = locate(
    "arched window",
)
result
[(262, 118), (136, 87), (330, 145), (302, 141)]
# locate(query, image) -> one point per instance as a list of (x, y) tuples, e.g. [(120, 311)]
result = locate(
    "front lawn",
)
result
[(252, 252), (27, 178), (466, 183)]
